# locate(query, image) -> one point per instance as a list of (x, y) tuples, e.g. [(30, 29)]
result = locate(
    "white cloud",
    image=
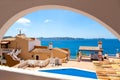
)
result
[(47, 21), (23, 21)]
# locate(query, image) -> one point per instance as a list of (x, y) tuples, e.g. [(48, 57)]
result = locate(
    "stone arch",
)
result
[(30, 10), (107, 12)]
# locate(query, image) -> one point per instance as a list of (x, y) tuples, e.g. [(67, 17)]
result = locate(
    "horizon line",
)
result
[(68, 37)]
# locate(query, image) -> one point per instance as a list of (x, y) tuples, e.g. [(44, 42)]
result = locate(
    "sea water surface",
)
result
[(110, 46)]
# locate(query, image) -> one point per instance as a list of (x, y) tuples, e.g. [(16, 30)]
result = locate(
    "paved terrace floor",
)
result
[(108, 70), (16, 75), (84, 64)]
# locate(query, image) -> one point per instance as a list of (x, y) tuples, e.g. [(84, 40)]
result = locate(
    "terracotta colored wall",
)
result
[(10, 61), (12, 44), (45, 55), (42, 56), (58, 54)]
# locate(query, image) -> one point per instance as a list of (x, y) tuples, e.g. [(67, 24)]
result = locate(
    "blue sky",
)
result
[(58, 23)]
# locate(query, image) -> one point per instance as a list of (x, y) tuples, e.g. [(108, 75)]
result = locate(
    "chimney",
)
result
[(50, 46), (100, 44)]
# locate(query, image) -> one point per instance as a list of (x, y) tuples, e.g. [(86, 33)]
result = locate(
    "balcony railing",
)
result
[(6, 50)]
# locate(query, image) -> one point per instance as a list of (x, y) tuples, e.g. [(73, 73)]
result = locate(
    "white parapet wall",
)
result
[(10, 73), (33, 43), (7, 73), (37, 42)]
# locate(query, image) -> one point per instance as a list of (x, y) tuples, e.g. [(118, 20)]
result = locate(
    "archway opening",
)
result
[(60, 29), (47, 21), (14, 18)]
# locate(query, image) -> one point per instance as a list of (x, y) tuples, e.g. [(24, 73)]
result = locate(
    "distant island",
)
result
[(7, 37), (64, 38), (71, 38)]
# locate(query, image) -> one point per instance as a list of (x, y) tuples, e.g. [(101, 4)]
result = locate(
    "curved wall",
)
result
[(105, 12)]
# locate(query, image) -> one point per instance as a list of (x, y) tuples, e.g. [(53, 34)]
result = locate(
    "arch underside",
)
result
[(104, 13)]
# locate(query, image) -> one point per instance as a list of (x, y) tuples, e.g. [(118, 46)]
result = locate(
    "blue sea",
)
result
[(110, 46)]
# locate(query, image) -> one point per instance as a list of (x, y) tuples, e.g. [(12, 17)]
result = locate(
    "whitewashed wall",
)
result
[(31, 44), (37, 42)]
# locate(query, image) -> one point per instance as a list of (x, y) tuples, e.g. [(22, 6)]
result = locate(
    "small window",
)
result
[(4, 57), (37, 57)]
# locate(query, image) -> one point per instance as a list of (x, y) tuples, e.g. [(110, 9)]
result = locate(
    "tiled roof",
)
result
[(88, 48)]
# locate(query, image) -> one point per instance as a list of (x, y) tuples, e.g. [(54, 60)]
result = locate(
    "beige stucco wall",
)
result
[(58, 54), (23, 44), (47, 54), (10, 62), (12, 44), (42, 55)]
